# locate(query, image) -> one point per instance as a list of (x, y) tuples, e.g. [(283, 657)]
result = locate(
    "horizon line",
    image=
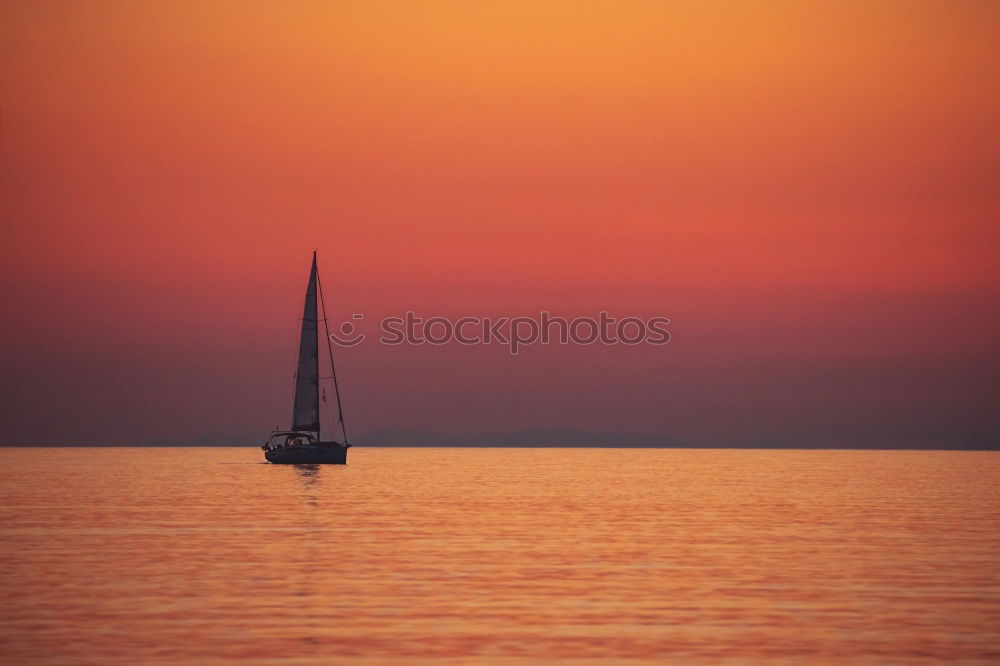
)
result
[(760, 447)]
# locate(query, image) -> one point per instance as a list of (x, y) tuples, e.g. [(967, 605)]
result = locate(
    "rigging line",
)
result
[(333, 368)]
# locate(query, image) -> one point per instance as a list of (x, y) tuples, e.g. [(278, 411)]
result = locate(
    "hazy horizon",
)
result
[(942, 441)]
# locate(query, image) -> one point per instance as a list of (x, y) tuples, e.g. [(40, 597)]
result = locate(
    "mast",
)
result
[(305, 414)]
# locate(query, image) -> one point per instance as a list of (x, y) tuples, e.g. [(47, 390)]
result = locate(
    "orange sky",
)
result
[(808, 190)]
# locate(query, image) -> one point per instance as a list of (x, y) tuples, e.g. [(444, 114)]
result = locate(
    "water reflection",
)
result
[(309, 475)]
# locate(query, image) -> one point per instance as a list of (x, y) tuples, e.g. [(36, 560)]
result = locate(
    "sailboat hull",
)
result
[(308, 455)]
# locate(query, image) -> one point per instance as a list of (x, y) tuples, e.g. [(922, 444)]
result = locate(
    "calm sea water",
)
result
[(500, 556)]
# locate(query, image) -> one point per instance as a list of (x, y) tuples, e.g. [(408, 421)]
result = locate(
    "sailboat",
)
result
[(303, 443)]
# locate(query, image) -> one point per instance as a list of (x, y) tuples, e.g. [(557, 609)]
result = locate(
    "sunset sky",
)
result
[(808, 190)]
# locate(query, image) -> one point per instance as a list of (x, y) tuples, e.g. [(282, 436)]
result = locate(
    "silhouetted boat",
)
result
[(303, 443)]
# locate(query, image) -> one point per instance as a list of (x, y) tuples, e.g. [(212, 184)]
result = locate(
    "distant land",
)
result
[(924, 439)]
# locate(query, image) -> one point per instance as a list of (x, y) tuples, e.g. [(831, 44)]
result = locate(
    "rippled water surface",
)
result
[(505, 556)]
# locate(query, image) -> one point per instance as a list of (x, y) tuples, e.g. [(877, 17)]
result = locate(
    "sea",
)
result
[(443, 556)]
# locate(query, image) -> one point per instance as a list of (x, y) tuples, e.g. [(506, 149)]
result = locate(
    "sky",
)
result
[(807, 190)]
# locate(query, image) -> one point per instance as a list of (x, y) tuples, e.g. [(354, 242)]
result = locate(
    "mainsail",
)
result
[(305, 416)]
